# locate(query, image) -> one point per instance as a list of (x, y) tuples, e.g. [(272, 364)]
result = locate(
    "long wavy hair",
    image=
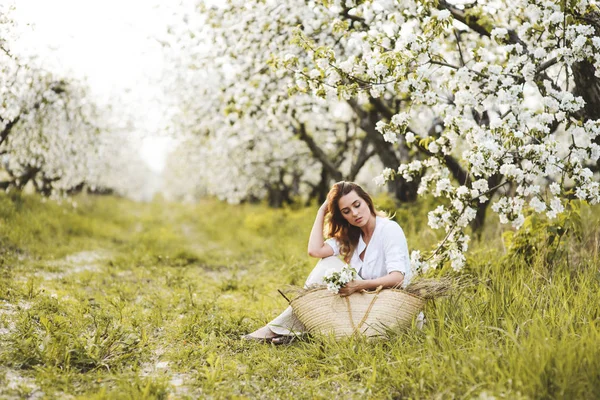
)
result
[(346, 234)]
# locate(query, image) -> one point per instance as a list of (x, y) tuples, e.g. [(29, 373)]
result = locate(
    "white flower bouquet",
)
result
[(336, 280)]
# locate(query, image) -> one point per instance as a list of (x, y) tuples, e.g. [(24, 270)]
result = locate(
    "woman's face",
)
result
[(354, 209)]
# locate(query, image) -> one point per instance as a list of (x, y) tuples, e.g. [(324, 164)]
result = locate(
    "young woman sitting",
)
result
[(365, 239)]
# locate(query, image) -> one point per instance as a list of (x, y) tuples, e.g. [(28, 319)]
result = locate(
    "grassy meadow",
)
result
[(104, 298)]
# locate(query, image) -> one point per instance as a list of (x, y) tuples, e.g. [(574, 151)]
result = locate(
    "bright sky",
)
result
[(112, 43)]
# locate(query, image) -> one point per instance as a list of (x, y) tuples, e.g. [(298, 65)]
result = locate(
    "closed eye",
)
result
[(356, 204)]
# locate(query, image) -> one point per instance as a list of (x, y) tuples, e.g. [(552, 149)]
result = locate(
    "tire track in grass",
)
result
[(57, 276), (16, 386), (83, 261)]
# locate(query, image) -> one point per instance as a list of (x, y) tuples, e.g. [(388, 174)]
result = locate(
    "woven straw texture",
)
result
[(366, 313)]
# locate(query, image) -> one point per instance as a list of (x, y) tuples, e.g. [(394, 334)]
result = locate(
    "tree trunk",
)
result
[(478, 222), (317, 152), (277, 196), (6, 184), (278, 193), (587, 85), (7, 128), (29, 174), (322, 188)]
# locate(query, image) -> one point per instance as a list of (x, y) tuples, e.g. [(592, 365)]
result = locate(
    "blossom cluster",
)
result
[(336, 280)]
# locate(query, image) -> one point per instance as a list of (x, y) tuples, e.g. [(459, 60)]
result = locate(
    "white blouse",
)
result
[(387, 251)]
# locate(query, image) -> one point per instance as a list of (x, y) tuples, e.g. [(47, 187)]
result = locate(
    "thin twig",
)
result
[(284, 296)]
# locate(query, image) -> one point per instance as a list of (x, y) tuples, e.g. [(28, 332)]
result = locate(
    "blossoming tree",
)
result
[(513, 86), (466, 100), (297, 143)]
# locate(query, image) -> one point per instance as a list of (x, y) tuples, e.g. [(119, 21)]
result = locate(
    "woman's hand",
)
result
[(351, 287), (316, 242), (323, 207)]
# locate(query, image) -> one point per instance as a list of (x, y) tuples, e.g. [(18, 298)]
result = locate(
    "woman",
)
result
[(372, 244)]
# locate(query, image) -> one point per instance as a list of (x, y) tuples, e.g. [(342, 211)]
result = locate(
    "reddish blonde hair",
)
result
[(337, 227)]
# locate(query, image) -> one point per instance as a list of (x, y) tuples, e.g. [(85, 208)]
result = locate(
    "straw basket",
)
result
[(366, 313)]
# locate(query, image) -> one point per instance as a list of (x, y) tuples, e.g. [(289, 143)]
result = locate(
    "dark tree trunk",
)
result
[(100, 191), (29, 174), (6, 184), (318, 153), (587, 85), (404, 191), (361, 159), (322, 188), (478, 222), (277, 196), (279, 193), (295, 189), (76, 189)]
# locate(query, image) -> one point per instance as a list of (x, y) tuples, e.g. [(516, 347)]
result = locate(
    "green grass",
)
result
[(120, 300)]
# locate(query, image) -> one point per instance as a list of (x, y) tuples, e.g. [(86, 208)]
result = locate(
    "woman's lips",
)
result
[(357, 220)]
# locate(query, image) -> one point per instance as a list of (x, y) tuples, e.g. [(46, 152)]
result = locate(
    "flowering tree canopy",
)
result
[(464, 99), (513, 83), (261, 141)]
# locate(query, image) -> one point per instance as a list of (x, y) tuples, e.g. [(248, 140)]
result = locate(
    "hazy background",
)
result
[(115, 46)]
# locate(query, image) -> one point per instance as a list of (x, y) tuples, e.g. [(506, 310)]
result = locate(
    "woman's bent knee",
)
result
[(323, 266)]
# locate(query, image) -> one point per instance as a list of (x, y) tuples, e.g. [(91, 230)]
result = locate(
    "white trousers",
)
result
[(287, 323)]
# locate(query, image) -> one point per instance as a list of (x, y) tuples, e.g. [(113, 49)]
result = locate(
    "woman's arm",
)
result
[(393, 279), (316, 243)]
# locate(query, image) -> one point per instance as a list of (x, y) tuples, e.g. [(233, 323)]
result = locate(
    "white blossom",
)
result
[(537, 204), (335, 280), (556, 207)]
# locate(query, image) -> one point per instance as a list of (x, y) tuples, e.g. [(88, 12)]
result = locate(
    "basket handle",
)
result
[(364, 318), (354, 327), (377, 290)]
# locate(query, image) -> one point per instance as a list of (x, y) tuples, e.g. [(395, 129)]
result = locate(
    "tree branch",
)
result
[(57, 87), (461, 15), (317, 152), (367, 124), (453, 165), (361, 159), (460, 52), (545, 65), (6, 131)]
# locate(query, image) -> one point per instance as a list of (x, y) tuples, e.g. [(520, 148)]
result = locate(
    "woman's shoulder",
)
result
[(389, 225)]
